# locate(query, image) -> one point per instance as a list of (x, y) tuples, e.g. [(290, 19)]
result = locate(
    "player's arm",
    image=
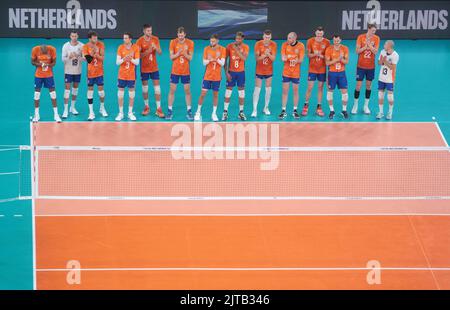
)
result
[(34, 60), (345, 58), (65, 54), (359, 48), (273, 55), (136, 57), (221, 59), (374, 49), (53, 59), (242, 56), (188, 53), (311, 53), (283, 54), (301, 56), (99, 55), (330, 61), (157, 47), (257, 56)]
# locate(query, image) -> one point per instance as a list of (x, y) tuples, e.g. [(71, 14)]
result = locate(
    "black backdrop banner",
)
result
[(110, 18)]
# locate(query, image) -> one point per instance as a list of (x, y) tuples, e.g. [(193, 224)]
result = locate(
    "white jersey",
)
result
[(72, 66), (387, 75)]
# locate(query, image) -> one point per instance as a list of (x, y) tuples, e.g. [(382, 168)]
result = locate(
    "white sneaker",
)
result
[(214, 117), (103, 112), (197, 116), (389, 116), (366, 110), (73, 111), (57, 118), (119, 117), (36, 118), (65, 114), (131, 116), (91, 117), (380, 115), (355, 109), (254, 114), (266, 111)]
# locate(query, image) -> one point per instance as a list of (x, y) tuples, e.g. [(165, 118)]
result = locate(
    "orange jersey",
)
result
[(236, 64), (294, 54), (180, 65), (148, 62), (44, 71), (95, 68), (366, 59), (265, 66), (333, 54), (317, 64), (213, 70), (127, 68)]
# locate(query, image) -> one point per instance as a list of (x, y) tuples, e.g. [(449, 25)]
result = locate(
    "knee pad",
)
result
[(75, 91), (66, 93), (37, 95), (344, 97), (329, 95), (90, 94), (120, 93), (380, 94), (157, 89), (131, 94), (53, 94), (145, 88), (356, 94), (241, 93), (390, 97), (368, 93), (101, 93), (228, 93)]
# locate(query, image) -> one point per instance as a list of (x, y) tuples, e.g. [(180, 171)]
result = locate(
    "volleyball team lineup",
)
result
[(327, 60)]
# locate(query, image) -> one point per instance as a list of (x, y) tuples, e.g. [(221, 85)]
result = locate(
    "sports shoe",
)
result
[(119, 117), (189, 115), (214, 117), (169, 114), (319, 112), (197, 116), (103, 112), (380, 115), (146, 110), (224, 116), (282, 115), (266, 111), (366, 110), (36, 118), (305, 110), (344, 114), (331, 115), (254, 113), (389, 116), (73, 111), (295, 114), (131, 116), (355, 109), (159, 112), (242, 116), (57, 118), (91, 117)]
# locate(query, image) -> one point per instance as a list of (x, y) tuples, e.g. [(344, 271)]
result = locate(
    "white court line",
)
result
[(249, 269), (33, 205), (442, 135), (9, 173), (18, 215), (245, 148), (172, 198), (236, 214)]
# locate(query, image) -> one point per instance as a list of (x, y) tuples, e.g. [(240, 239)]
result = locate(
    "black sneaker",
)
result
[(295, 114), (242, 116), (345, 114), (224, 115), (331, 115), (282, 115)]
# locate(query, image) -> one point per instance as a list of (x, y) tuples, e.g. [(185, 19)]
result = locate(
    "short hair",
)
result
[(336, 35), (92, 34), (319, 28), (215, 36), (371, 25), (391, 42), (73, 31), (267, 32), (128, 34), (145, 26), (240, 34), (181, 30)]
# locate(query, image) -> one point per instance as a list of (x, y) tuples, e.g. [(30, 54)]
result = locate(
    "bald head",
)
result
[(292, 37), (389, 45)]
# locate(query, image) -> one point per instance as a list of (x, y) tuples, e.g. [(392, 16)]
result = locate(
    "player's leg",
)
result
[(37, 97), (54, 104), (174, 79), (390, 96), (120, 95), (66, 95), (241, 96), (144, 80), (359, 78), (369, 79), (331, 86), (266, 110), (157, 91), (307, 97), (284, 96), (381, 88), (188, 96), (200, 102), (343, 85), (226, 102), (215, 103), (295, 97), (319, 110), (90, 99), (73, 109), (131, 95), (256, 92), (101, 95)]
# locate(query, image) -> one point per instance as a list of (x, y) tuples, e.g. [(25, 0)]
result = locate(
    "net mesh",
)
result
[(293, 173)]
